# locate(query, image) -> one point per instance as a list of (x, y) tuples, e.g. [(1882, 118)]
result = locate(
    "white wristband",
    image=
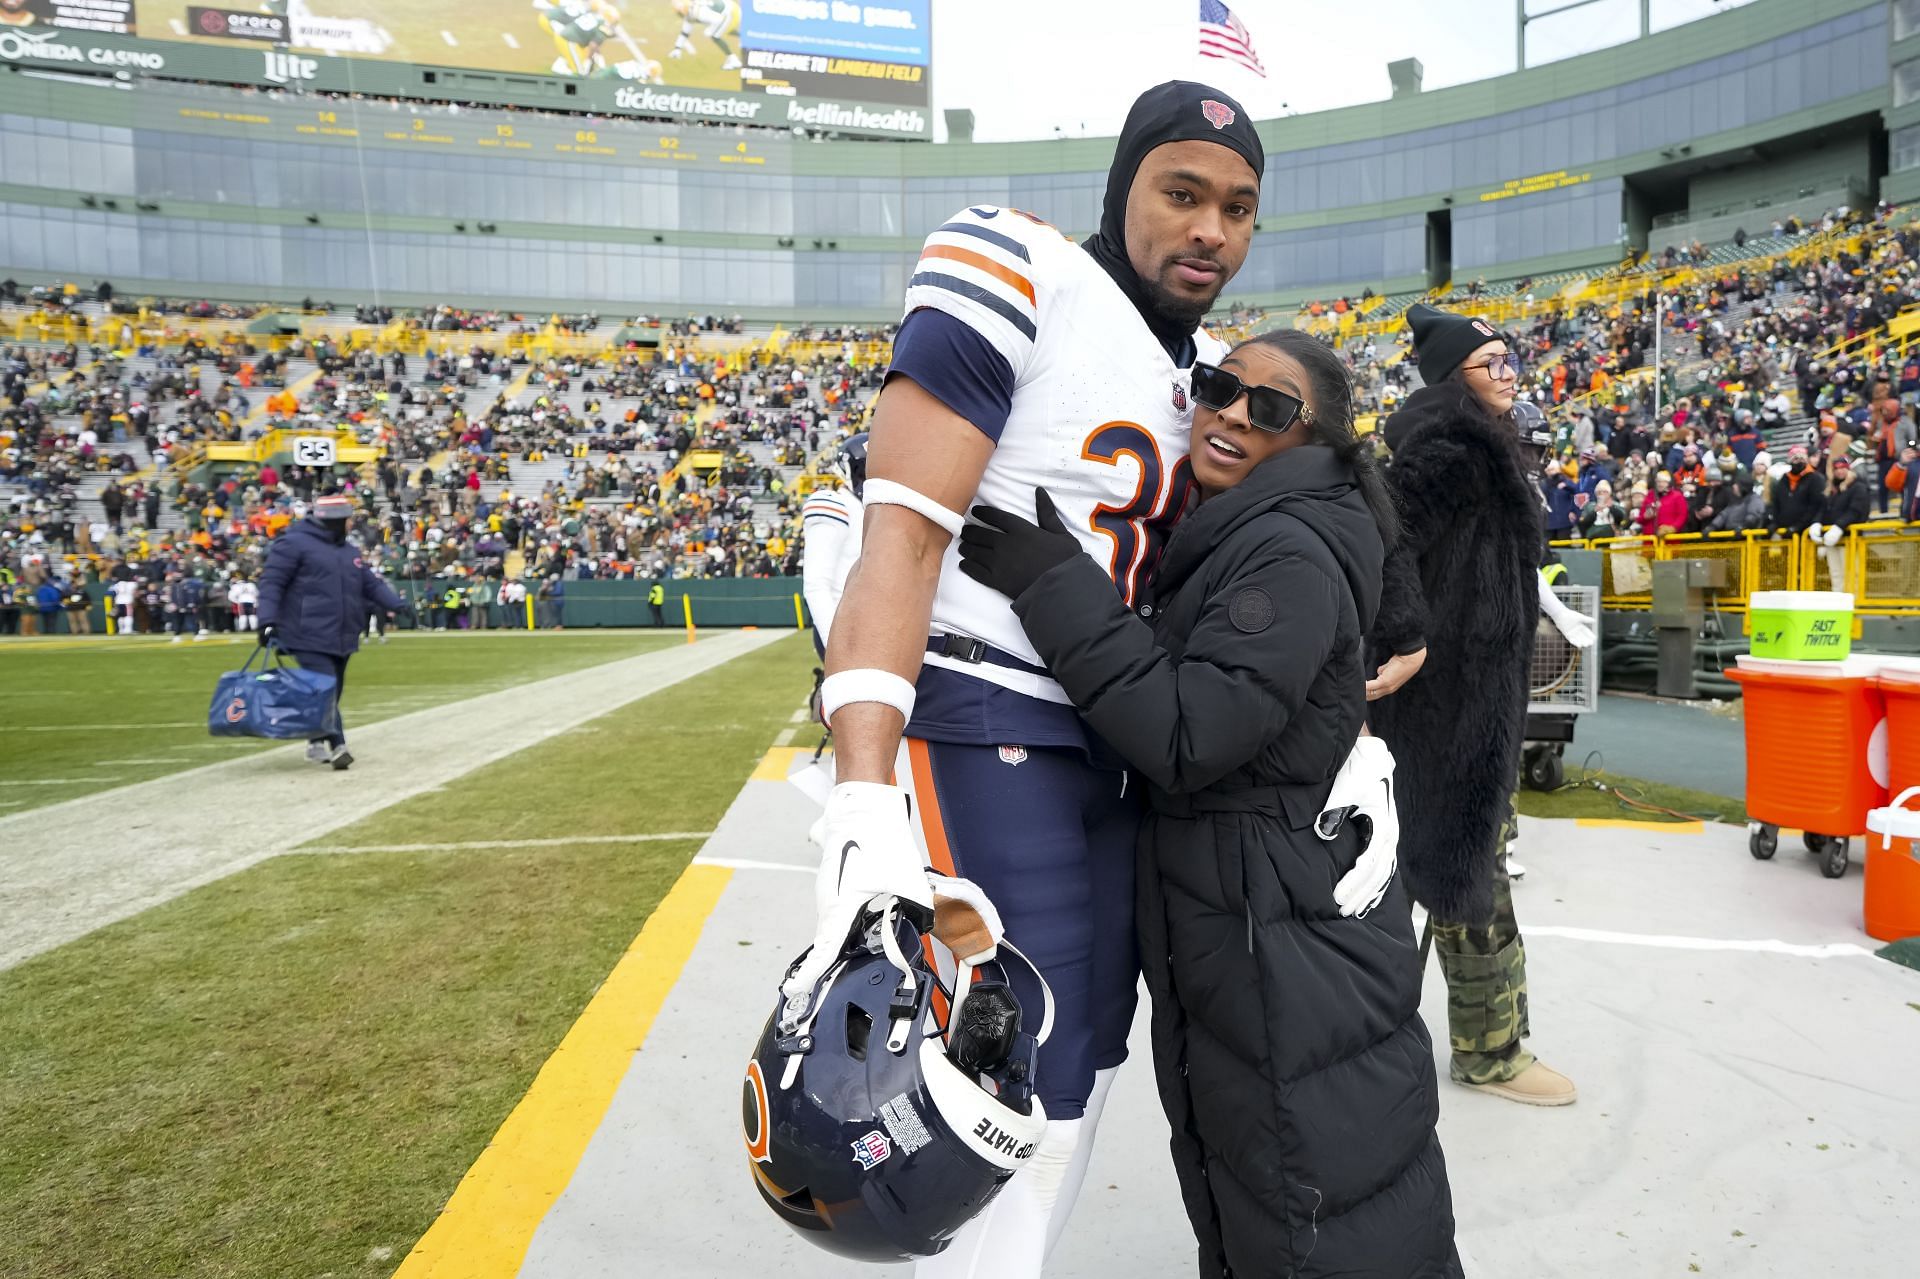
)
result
[(894, 493), (843, 688)]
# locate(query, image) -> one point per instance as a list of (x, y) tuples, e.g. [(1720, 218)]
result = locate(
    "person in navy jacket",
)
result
[(316, 593)]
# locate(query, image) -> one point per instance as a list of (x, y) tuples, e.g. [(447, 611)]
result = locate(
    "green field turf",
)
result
[(480, 28), (81, 716), (287, 1072)]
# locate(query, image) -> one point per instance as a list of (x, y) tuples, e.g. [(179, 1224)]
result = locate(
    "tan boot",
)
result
[(1537, 1085)]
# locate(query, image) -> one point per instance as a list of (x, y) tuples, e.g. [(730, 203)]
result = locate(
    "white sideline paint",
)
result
[(71, 867), (341, 850), (1817, 950), (742, 863)]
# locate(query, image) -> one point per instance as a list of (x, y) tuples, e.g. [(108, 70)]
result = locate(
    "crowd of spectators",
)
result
[(670, 460)]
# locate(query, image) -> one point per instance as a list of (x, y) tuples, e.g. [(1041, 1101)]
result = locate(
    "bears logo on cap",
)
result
[(1218, 114)]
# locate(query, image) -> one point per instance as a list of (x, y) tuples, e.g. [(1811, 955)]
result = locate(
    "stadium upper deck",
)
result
[(1773, 109)]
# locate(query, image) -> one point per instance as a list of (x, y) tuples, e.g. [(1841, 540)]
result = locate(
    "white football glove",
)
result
[(1833, 535), (1813, 532), (868, 854), (965, 916), (1365, 785), (1577, 627)]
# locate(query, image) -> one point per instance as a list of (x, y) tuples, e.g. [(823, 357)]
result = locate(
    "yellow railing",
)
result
[(1880, 566)]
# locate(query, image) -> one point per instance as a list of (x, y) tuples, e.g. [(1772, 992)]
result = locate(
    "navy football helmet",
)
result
[(850, 462), (872, 1130), (1530, 427)]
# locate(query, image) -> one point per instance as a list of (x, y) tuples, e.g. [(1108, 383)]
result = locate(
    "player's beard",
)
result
[(1182, 308)]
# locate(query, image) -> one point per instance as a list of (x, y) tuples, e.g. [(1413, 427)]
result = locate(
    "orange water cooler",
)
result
[(1892, 903), (1816, 753)]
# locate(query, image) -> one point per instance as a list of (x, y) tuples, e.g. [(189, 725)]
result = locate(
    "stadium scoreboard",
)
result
[(856, 68), (348, 124)]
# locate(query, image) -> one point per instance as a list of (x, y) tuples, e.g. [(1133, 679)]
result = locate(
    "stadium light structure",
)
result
[(1522, 18)]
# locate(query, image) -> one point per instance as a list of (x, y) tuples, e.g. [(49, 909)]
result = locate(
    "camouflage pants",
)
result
[(1486, 973)]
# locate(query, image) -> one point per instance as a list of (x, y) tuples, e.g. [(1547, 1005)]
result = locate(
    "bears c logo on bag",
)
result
[(236, 710)]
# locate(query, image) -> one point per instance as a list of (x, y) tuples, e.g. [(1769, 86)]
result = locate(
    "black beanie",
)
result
[(1441, 339), (1177, 111)]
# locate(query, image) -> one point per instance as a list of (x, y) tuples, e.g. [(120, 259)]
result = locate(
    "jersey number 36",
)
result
[(1138, 528)]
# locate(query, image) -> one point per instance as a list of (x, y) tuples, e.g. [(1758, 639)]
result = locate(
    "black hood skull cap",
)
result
[(1177, 111)]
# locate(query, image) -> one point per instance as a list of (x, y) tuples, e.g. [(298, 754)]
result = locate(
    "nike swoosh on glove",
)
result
[(868, 856), (1364, 785)]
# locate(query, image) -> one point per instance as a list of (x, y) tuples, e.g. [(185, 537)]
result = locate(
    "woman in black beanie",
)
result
[(1460, 606)]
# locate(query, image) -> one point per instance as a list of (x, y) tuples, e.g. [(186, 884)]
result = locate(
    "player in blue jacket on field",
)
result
[(316, 593)]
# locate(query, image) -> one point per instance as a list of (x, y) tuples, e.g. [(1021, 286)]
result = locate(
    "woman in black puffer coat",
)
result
[(1287, 1040)]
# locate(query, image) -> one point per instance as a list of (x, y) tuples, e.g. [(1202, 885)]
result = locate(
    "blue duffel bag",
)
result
[(280, 699)]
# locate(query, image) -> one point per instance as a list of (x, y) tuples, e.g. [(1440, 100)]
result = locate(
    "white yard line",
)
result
[(448, 37), (50, 781), (785, 738), (511, 42), (558, 841), (798, 717), (68, 868)]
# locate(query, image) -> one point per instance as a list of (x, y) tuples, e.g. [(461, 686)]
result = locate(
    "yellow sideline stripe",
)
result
[(1671, 828), (778, 762), (486, 1228)]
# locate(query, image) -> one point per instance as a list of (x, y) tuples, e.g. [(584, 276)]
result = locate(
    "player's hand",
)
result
[(964, 919), (868, 856), (1398, 669), (1364, 788), (269, 635), (1009, 554)]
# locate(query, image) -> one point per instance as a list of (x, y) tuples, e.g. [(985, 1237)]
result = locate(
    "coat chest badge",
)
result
[(1179, 398), (1251, 611)]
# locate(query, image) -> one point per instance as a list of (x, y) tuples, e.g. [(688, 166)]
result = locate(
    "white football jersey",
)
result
[(830, 526), (1101, 415)]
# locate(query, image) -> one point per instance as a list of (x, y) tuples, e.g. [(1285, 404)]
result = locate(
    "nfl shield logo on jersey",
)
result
[(1013, 755), (1179, 398), (1218, 114)]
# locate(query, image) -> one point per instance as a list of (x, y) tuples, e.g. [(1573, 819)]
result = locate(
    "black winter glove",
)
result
[(1010, 554), (268, 635)]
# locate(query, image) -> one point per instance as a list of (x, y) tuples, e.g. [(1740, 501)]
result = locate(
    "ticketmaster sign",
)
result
[(270, 66)]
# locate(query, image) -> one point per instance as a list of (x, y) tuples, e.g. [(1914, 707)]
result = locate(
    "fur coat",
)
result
[(1463, 580)]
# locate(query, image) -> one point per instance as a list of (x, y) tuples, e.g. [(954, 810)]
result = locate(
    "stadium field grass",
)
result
[(1577, 800), (81, 716), (286, 1073)]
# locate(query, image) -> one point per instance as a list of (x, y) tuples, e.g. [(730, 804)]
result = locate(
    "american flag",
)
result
[(1224, 36)]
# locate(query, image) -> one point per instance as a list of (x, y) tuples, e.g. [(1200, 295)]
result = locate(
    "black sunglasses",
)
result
[(1268, 408)]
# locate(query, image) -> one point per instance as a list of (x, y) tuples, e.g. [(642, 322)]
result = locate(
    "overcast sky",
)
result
[(1029, 67)]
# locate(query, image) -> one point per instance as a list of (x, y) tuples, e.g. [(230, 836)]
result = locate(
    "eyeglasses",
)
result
[(1268, 408), (1493, 365)]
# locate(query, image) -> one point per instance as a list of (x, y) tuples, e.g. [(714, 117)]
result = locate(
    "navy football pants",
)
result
[(1050, 840)]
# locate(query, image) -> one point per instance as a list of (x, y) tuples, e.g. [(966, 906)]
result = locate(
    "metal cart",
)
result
[(1563, 682)]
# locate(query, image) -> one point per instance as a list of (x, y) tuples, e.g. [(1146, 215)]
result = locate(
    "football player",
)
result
[(717, 18), (1024, 360), (830, 521), (580, 31)]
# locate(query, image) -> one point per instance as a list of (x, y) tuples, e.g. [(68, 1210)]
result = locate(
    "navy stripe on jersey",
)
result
[(827, 515), (955, 364), (1006, 242), (973, 292)]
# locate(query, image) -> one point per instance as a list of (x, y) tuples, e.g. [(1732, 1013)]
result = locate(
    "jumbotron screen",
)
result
[(831, 54)]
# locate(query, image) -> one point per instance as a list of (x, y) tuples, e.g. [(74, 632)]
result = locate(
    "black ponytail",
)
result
[(1333, 412)]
